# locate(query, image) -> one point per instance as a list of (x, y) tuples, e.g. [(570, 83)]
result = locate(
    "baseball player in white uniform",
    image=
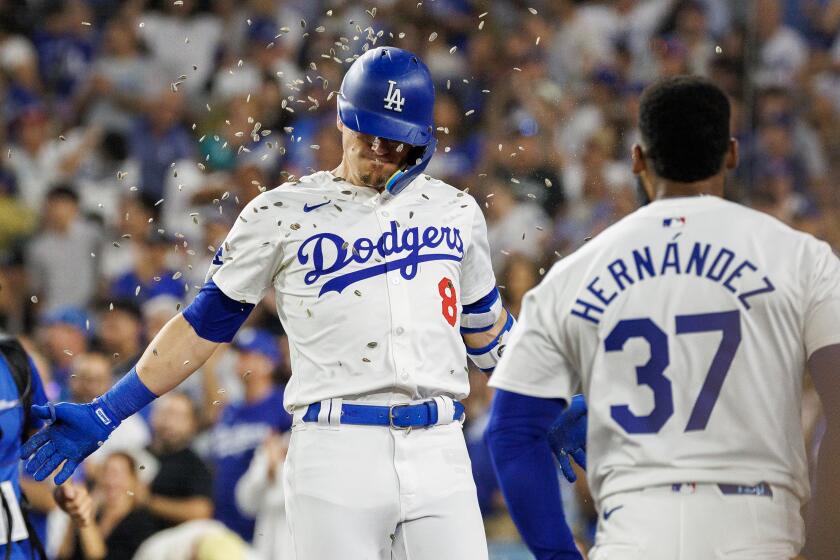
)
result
[(383, 283), (688, 326)]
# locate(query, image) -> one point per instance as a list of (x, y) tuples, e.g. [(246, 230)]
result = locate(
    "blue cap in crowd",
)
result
[(73, 316), (258, 340)]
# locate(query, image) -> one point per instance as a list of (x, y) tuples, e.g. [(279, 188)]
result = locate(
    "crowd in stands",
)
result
[(132, 132)]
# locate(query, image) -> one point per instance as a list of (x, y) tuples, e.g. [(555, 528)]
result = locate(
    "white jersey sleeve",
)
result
[(477, 278), (536, 362), (246, 263), (822, 318)]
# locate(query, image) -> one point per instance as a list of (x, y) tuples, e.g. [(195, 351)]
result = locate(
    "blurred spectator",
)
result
[(783, 52), (64, 334), (119, 79), (459, 148), (691, 27), (103, 173), (157, 311), (183, 43), (592, 187), (90, 377), (150, 275), (583, 40), (513, 227), (121, 525), (133, 224), (159, 139), (61, 268), (182, 487), (242, 427), (16, 220), (64, 46), (120, 333), (36, 160), (259, 494), (519, 275), (19, 64)]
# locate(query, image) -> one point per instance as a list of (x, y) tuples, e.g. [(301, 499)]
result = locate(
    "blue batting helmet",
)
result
[(388, 92)]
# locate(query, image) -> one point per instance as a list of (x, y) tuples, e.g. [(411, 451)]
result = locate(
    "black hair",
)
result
[(64, 191), (126, 306), (684, 122), (114, 146)]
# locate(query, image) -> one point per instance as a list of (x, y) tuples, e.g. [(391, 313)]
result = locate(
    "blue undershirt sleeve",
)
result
[(214, 316), (518, 442)]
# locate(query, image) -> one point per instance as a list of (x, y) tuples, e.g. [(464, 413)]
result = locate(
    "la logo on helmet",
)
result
[(394, 99)]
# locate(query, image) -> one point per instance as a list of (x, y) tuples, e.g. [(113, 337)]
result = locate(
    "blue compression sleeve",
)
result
[(127, 396), (214, 316), (517, 437)]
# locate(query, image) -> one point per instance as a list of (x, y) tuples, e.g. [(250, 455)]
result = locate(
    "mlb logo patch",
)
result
[(673, 222)]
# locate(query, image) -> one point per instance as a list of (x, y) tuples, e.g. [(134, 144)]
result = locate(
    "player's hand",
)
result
[(74, 431), (567, 437), (75, 501)]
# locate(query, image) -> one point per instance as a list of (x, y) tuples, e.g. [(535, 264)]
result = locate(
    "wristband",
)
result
[(127, 396)]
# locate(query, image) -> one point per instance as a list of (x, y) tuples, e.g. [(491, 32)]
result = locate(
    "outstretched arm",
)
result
[(823, 537), (181, 347), (518, 439), (173, 355)]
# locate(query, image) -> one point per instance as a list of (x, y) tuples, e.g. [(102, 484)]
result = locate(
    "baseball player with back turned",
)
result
[(688, 326), (383, 283)]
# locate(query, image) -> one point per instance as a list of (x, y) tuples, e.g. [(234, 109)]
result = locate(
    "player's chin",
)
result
[(378, 174)]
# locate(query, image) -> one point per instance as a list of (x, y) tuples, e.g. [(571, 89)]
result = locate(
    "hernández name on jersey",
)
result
[(330, 253), (704, 260)]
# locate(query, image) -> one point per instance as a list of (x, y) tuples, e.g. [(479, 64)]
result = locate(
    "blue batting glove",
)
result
[(567, 437), (73, 432)]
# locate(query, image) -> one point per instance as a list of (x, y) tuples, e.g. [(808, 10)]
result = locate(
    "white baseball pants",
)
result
[(698, 522), (375, 493)]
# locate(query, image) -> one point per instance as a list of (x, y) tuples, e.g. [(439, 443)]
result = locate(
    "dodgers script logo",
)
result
[(330, 253), (394, 98)]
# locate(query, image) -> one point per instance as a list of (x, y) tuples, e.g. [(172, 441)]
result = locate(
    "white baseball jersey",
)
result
[(368, 286), (687, 325)]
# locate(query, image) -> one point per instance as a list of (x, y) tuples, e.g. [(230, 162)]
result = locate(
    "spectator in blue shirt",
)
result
[(160, 139), (150, 276), (64, 46), (243, 426)]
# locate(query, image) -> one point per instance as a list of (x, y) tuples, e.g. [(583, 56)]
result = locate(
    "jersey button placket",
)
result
[(399, 304)]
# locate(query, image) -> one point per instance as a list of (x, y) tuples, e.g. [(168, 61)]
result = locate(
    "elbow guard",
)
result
[(488, 356), (481, 315)]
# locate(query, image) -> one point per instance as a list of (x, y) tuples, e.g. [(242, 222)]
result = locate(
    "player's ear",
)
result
[(638, 156), (732, 154), (644, 189)]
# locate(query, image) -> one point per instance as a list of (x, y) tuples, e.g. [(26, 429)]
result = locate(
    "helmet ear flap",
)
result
[(417, 160)]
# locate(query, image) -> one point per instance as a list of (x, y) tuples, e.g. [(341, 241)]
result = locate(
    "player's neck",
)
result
[(673, 189), (344, 172)]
